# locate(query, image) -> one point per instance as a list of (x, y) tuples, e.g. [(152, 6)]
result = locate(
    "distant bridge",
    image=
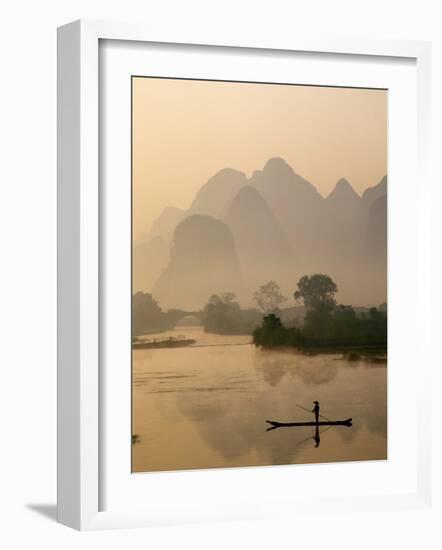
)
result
[(177, 315)]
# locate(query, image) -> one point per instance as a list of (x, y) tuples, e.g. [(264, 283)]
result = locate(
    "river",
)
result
[(205, 406)]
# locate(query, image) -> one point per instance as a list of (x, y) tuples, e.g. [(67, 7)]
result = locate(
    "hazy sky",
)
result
[(184, 131)]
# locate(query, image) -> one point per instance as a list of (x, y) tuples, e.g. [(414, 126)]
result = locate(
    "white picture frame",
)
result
[(79, 276)]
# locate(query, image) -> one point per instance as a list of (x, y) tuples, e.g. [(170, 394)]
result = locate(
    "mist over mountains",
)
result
[(241, 232)]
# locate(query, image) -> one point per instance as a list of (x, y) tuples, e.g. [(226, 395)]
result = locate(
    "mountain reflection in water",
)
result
[(205, 406)]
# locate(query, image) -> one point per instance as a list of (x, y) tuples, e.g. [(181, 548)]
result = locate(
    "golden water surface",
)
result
[(205, 406)]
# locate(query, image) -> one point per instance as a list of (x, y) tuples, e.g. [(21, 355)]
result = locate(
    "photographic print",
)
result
[(259, 274)]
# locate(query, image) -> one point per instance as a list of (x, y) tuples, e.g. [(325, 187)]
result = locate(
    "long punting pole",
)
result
[(305, 409)]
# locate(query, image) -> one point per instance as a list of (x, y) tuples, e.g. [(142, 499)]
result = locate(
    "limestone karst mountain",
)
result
[(263, 249), (356, 245), (215, 196), (295, 203), (373, 193), (343, 198), (375, 245), (341, 221), (374, 251), (212, 199), (239, 233), (203, 262), (165, 224), (373, 222), (369, 196), (150, 256)]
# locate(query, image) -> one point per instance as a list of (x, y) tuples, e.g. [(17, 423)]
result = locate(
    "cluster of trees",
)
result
[(223, 315), (326, 324), (269, 298), (148, 317)]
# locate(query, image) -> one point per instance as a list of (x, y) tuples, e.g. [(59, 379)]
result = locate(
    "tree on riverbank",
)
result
[(269, 298), (326, 324), (318, 295), (272, 333), (317, 292), (223, 315), (148, 317)]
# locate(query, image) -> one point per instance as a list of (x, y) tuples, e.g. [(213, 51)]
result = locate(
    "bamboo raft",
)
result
[(275, 424), (163, 343)]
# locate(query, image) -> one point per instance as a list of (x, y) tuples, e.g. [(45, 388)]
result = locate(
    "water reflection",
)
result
[(274, 365), (206, 407)]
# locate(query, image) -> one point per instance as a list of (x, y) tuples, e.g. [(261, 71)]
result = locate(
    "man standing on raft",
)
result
[(316, 410)]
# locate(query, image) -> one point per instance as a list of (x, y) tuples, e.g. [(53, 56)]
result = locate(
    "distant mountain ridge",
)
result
[(279, 225)]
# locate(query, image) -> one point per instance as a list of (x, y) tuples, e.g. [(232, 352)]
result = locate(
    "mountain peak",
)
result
[(214, 196), (164, 225), (277, 165), (343, 189), (371, 193), (343, 184), (277, 170), (248, 203), (226, 172), (248, 193)]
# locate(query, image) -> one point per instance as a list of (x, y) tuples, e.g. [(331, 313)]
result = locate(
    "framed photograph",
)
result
[(234, 289)]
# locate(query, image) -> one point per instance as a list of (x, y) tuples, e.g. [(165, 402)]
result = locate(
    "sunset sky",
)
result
[(184, 131)]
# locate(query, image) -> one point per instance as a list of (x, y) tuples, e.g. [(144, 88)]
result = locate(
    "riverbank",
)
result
[(342, 332), (170, 342)]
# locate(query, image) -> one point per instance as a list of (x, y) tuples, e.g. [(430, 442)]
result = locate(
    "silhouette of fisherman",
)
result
[(316, 410)]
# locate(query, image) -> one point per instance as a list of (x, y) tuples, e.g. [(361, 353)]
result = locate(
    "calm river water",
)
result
[(205, 406)]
